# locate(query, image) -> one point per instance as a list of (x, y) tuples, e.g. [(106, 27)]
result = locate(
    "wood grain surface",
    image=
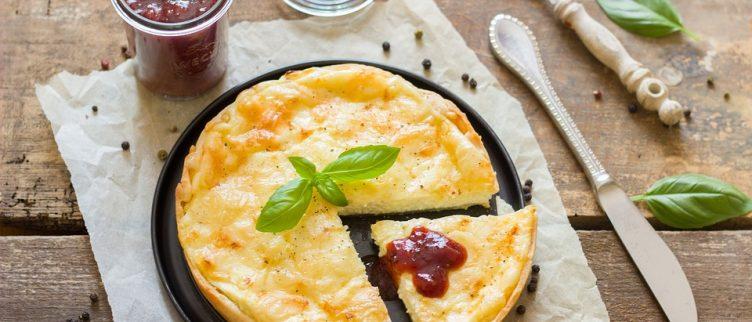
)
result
[(50, 278), (42, 37)]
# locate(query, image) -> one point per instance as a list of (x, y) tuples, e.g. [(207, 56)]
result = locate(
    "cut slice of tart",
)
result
[(483, 287)]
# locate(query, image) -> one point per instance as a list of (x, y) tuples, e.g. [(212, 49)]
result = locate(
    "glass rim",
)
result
[(208, 18)]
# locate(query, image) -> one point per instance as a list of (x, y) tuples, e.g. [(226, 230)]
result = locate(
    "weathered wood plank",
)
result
[(49, 278), (41, 38)]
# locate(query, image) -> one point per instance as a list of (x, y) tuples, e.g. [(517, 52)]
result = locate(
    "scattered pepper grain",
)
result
[(419, 34), (688, 113), (94, 108), (536, 269), (426, 64), (465, 77), (632, 108), (532, 287), (526, 189), (727, 96), (710, 82), (93, 297), (162, 155), (125, 145), (174, 129), (529, 182), (386, 46), (473, 83), (521, 309), (84, 316)]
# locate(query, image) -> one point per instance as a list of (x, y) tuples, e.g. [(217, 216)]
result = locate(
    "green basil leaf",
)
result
[(329, 190), (694, 201), (286, 206), (649, 18), (362, 163), (303, 167)]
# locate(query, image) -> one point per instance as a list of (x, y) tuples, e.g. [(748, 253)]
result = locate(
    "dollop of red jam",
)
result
[(429, 256), (170, 11)]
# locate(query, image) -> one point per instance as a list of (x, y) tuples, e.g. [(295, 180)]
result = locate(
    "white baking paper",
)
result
[(115, 188)]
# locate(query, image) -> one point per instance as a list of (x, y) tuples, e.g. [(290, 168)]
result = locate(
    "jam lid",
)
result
[(135, 20)]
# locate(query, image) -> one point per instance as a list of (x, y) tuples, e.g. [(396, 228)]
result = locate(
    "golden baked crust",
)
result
[(312, 272), (499, 255)]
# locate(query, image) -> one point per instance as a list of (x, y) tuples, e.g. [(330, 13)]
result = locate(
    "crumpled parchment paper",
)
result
[(115, 188)]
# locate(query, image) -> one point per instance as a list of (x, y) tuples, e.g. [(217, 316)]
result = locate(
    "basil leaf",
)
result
[(649, 18), (303, 167), (362, 163), (329, 190), (694, 201), (286, 206)]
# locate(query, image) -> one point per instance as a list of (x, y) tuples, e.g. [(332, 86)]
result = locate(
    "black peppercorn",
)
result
[(527, 197), (536, 269), (419, 34), (727, 96), (687, 113), (125, 145), (526, 189), (521, 309), (94, 108), (174, 129), (473, 83), (711, 82), (465, 77), (529, 182), (632, 108), (386, 46), (93, 297), (84, 316), (426, 64), (532, 287), (597, 94), (534, 280)]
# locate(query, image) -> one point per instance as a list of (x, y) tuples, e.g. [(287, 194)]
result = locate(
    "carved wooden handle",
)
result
[(652, 93)]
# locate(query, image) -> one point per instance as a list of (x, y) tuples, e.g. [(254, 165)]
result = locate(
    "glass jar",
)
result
[(177, 56)]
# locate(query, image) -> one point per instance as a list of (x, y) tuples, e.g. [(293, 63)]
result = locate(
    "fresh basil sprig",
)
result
[(288, 203), (694, 201), (649, 18)]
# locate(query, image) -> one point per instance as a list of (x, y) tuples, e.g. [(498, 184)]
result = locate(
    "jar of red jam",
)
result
[(180, 46)]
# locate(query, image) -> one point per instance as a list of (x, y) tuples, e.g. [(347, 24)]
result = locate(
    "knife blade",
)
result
[(514, 45)]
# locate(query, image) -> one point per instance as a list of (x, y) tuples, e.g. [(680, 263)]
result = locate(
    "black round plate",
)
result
[(168, 254)]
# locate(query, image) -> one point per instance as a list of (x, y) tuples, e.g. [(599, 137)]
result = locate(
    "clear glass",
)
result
[(328, 8), (178, 60)]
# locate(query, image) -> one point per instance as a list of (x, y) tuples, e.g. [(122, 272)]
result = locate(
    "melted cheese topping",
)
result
[(312, 272), (499, 252)]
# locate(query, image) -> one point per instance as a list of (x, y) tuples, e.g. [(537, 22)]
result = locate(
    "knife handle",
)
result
[(514, 44), (652, 93)]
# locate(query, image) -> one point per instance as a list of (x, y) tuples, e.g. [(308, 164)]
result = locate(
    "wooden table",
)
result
[(50, 277)]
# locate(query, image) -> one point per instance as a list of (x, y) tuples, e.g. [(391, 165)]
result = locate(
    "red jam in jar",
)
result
[(429, 256), (180, 45)]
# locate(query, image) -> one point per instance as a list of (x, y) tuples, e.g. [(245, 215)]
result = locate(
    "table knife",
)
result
[(514, 44)]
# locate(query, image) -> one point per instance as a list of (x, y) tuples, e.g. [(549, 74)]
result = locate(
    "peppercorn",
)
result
[(727, 96), (386, 46), (521, 309), (94, 108), (84, 316), (529, 182), (536, 269), (125, 145), (710, 82), (426, 64), (93, 297), (419, 34), (534, 280), (687, 113), (465, 77), (632, 108), (532, 287), (105, 64), (473, 83), (174, 129), (526, 189), (597, 94), (527, 197), (162, 155)]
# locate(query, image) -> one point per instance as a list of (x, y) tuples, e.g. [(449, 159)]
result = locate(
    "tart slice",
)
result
[(421, 254)]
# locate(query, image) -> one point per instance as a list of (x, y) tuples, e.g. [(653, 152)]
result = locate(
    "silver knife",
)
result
[(514, 44)]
